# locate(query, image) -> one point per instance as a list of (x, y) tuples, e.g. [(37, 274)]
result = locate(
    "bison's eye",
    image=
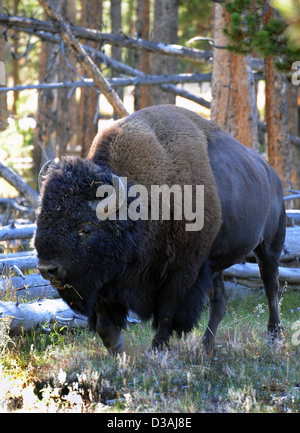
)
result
[(85, 231)]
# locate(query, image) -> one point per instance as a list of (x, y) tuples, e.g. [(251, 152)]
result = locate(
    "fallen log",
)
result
[(17, 231), (291, 250), (28, 261), (26, 287), (45, 314), (293, 216), (251, 270)]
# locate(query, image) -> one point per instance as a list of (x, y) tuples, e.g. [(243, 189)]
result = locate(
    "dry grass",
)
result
[(72, 372)]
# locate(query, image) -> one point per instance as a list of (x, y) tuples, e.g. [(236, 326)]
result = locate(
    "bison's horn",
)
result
[(43, 173), (114, 201)]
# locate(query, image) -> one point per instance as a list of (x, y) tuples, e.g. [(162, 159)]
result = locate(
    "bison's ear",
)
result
[(43, 174)]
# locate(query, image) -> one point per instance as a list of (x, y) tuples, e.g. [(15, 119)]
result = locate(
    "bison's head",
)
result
[(77, 252)]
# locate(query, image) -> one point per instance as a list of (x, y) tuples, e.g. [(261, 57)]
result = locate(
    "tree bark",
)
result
[(15, 61), (293, 114), (243, 101), (276, 116), (116, 27), (233, 105), (164, 31), (3, 105), (142, 94), (222, 103)]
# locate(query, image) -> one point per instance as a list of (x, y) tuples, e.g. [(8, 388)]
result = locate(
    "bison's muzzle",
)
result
[(53, 272)]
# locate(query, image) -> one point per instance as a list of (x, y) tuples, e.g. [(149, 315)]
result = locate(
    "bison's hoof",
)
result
[(117, 347), (158, 344), (208, 344), (274, 334)]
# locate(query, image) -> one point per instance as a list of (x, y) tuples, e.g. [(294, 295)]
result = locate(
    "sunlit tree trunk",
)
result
[(15, 61), (221, 104), (3, 106), (233, 92), (293, 113), (276, 115)]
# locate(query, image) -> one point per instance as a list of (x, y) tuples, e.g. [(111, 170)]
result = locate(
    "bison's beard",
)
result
[(79, 293)]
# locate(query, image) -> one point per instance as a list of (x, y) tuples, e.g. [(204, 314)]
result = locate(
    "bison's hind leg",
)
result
[(268, 255), (217, 310), (268, 263)]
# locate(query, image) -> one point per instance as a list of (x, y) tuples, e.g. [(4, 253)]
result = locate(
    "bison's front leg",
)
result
[(217, 310), (109, 331), (164, 329)]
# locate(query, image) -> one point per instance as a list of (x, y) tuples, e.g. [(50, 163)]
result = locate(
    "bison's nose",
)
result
[(51, 271)]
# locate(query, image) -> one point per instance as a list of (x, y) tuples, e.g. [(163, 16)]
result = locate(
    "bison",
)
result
[(104, 267)]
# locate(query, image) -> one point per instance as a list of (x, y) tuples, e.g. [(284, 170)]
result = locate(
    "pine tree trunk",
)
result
[(142, 94), (221, 104), (15, 62), (3, 106), (116, 27), (293, 114), (243, 101), (164, 31), (276, 116), (66, 104), (233, 92), (45, 132), (91, 15)]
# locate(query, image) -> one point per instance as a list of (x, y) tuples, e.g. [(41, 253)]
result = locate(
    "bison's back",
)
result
[(157, 145)]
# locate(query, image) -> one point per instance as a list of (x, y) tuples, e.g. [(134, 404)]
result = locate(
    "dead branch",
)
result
[(125, 69), (32, 26), (86, 61), (117, 82), (13, 179)]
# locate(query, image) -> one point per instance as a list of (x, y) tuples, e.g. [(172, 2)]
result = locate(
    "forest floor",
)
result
[(68, 371)]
